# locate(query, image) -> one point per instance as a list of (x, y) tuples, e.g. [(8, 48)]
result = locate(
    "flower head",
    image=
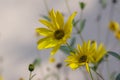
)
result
[(51, 59), (56, 33), (87, 53), (117, 34), (113, 26)]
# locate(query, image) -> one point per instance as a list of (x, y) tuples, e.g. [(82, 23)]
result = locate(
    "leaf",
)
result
[(82, 25), (37, 61), (118, 77), (75, 23), (82, 5), (46, 17), (65, 49), (73, 40), (116, 55)]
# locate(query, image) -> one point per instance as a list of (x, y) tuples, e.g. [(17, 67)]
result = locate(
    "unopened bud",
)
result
[(31, 67)]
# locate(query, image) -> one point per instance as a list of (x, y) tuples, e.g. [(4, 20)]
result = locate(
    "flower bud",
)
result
[(31, 67)]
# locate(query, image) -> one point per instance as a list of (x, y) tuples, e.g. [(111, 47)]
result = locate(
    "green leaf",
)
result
[(37, 61), (82, 5), (82, 25), (46, 17), (75, 23), (65, 49), (73, 40), (116, 55), (118, 77)]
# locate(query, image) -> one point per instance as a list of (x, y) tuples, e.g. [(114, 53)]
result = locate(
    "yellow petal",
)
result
[(43, 31), (47, 23), (60, 19), (55, 49), (52, 14), (101, 52), (54, 19), (68, 25), (87, 67), (73, 66), (47, 42)]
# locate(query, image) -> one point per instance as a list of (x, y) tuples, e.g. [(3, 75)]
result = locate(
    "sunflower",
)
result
[(56, 33), (85, 54)]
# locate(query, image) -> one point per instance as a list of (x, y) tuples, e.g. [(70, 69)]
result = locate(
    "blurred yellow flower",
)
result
[(52, 59), (56, 33), (87, 53), (117, 34), (113, 26), (21, 79), (1, 77)]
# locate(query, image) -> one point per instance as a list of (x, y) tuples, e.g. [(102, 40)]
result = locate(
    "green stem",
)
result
[(90, 74), (99, 75), (107, 65), (67, 5), (30, 75), (81, 17)]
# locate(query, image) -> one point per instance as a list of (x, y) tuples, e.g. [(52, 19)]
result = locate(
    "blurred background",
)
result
[(18, 20)]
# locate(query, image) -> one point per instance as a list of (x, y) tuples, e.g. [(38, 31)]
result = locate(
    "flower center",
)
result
[(83, 58), (59, 34)]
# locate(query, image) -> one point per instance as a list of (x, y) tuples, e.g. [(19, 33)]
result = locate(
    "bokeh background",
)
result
[(18, 20)]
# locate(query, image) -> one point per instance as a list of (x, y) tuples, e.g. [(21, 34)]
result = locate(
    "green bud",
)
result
[(82, 5), (31, 67)]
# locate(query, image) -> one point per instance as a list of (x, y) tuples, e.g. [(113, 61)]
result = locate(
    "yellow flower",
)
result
[(56, 33), (82, 56), (117, 34), (1, 77), (85, 54), (113, 26), (52, 59)]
